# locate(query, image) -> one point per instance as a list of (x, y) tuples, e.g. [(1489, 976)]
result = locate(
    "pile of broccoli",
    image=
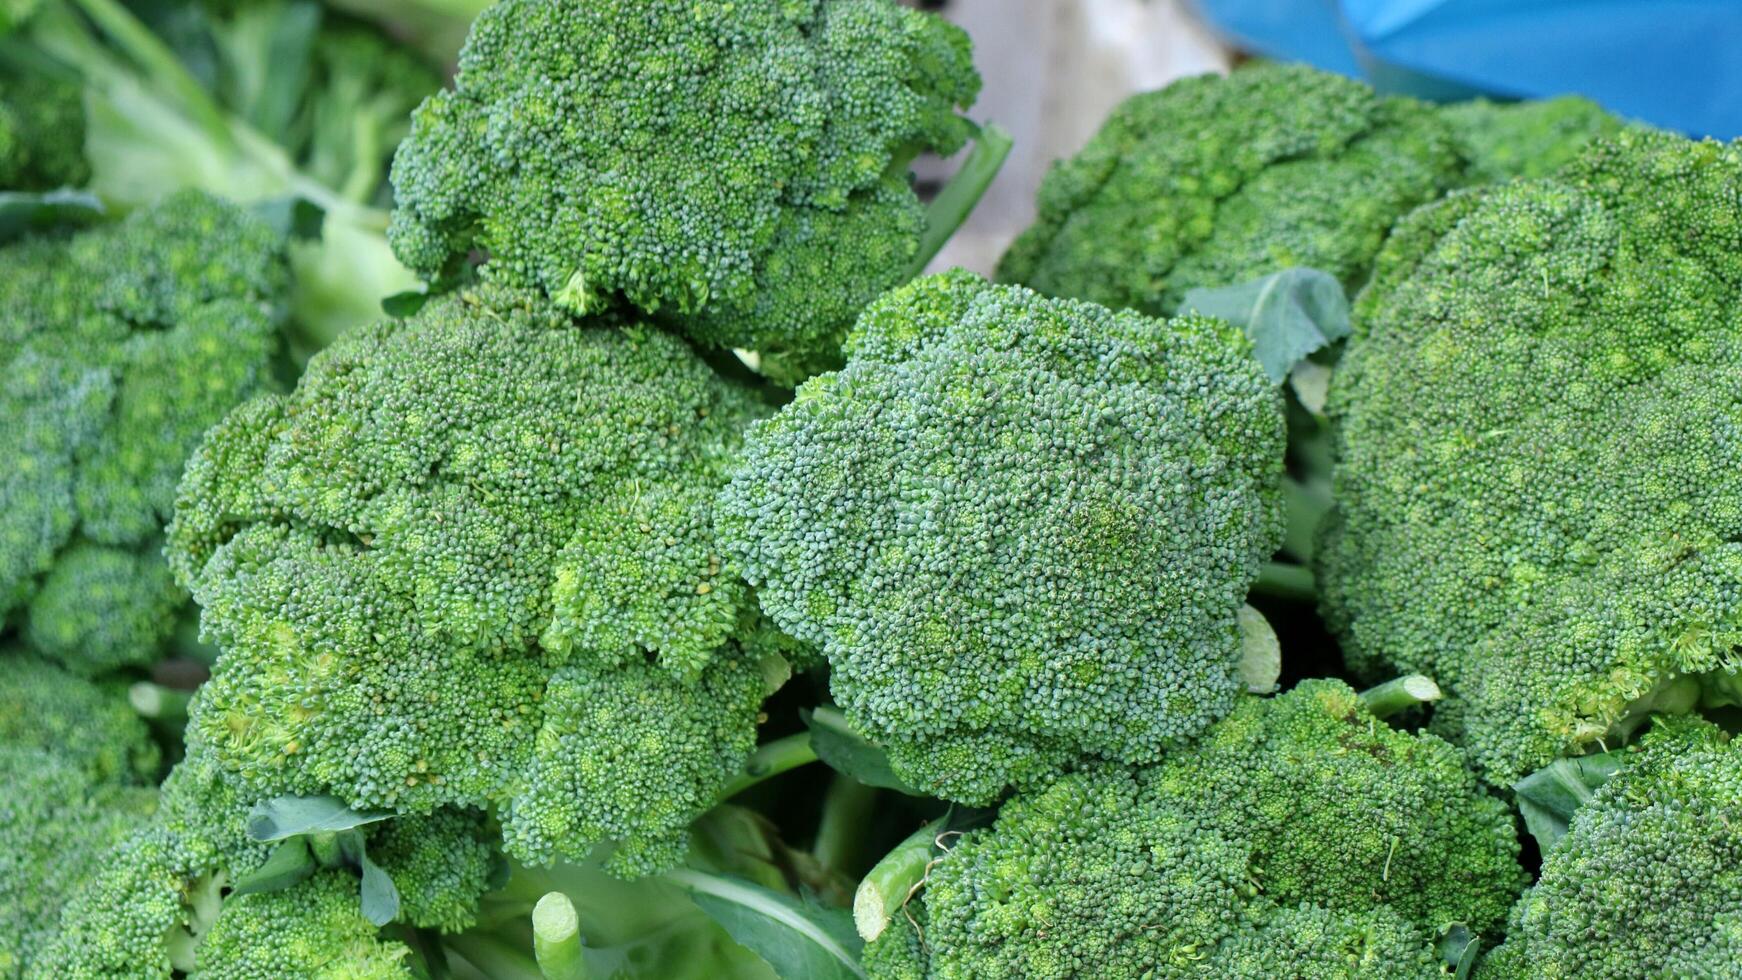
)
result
[(550, 525)]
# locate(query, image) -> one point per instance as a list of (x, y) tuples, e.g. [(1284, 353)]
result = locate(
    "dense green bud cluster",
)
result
[(1213, 181), (1301, 836), (419, 567), (440, 862), (42, 132), (1503, 140), (314, 929), (57, 820), (1538, 493), (1647, 880), (1019, 528), (736, 169), (119, 346), (87, 725)]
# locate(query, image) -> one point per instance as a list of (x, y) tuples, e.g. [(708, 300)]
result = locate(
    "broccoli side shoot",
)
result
[(1213, 181), (1020, 529), (1503, 140), (470, 557), (119, 347), (739, 170), (1538, 481), (1647, 880), (1301, 836)]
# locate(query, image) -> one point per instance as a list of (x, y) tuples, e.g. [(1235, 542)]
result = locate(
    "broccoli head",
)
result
[(119, 346), (1301, 836), (42, 132), (1503, 140), (470, 562), (737, 169), (57, 820), (89, 725), (1647, 880), (1019, 528), (1538, 499), (1213, 181)]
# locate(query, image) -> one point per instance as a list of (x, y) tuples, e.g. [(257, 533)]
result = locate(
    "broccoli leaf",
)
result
[(850, 753), (26, 211), (799, 939), (1548, 797), (292, 816), (1287, 315), (289, 863)]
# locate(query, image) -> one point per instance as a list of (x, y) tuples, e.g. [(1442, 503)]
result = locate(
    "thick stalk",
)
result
[(847, 806), (165, 705), (771, 760), (556, 938), (956, 201), (1400, 694), (888, 885), (1283, 581)]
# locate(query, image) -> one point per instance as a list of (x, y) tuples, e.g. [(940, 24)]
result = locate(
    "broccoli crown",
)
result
[(314, 929), (736, 169), (438, 572), (120, 921), (87, 725), (1213, 181), (1298, 823), (1503, 140), (1647, 880), (42, 133), (119, 346), (1539, 496), (1019, 528), (57, 819)]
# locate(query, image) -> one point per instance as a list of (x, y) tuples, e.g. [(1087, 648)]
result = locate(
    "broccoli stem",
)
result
[(493, 957), (886, 888), (769, 761), (1283, 581), (157, 703), (556, 938), (956, 201), (840, 843), (1400, 694)]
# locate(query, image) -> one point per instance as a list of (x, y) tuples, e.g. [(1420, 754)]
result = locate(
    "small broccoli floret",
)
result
[(42, 133), (119, 346), (1537, 499), (87, 725), (57, 819), (442, 863), (1020, 529), (427, 570), (1301, 836), (1213, 181), (1647, 880), (1503, 140), (314, 929), (735, 169)]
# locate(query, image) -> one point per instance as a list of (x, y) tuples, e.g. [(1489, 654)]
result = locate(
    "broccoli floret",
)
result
[(442, 863), (42, 132), (1213, 181), (735, 169), (1537, 496), (119, 346), (1019, 528), (87, 725), (1647, 880), (1503, 140), (314, 929), (417, 569), (1302, 836), (57, 819)]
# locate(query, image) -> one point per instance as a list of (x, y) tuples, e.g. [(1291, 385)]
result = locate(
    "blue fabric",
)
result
[(1671, 63)]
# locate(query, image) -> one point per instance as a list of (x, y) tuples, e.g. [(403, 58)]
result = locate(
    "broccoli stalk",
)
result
[(953, 204)]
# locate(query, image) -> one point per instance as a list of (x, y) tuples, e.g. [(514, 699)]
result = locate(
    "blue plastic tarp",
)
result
[(1671, 63)]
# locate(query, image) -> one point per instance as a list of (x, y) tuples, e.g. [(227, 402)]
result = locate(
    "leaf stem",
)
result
[(957, 200)]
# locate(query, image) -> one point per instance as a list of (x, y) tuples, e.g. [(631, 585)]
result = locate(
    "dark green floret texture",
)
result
[(119, 347), (738, 170), (1648, 879), (423, 569), (1212, 181), (1538, 484), (1503, 140), (1019, 528), (1301, 836)]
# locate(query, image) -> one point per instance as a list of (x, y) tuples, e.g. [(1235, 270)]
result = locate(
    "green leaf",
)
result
[(846, 751), (404, 304), (1548, 797), (1287, 315), (292, 816), (1459, 949), (800, 940), (289, 863), (292, 216), (380, 895), (22, 212)]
